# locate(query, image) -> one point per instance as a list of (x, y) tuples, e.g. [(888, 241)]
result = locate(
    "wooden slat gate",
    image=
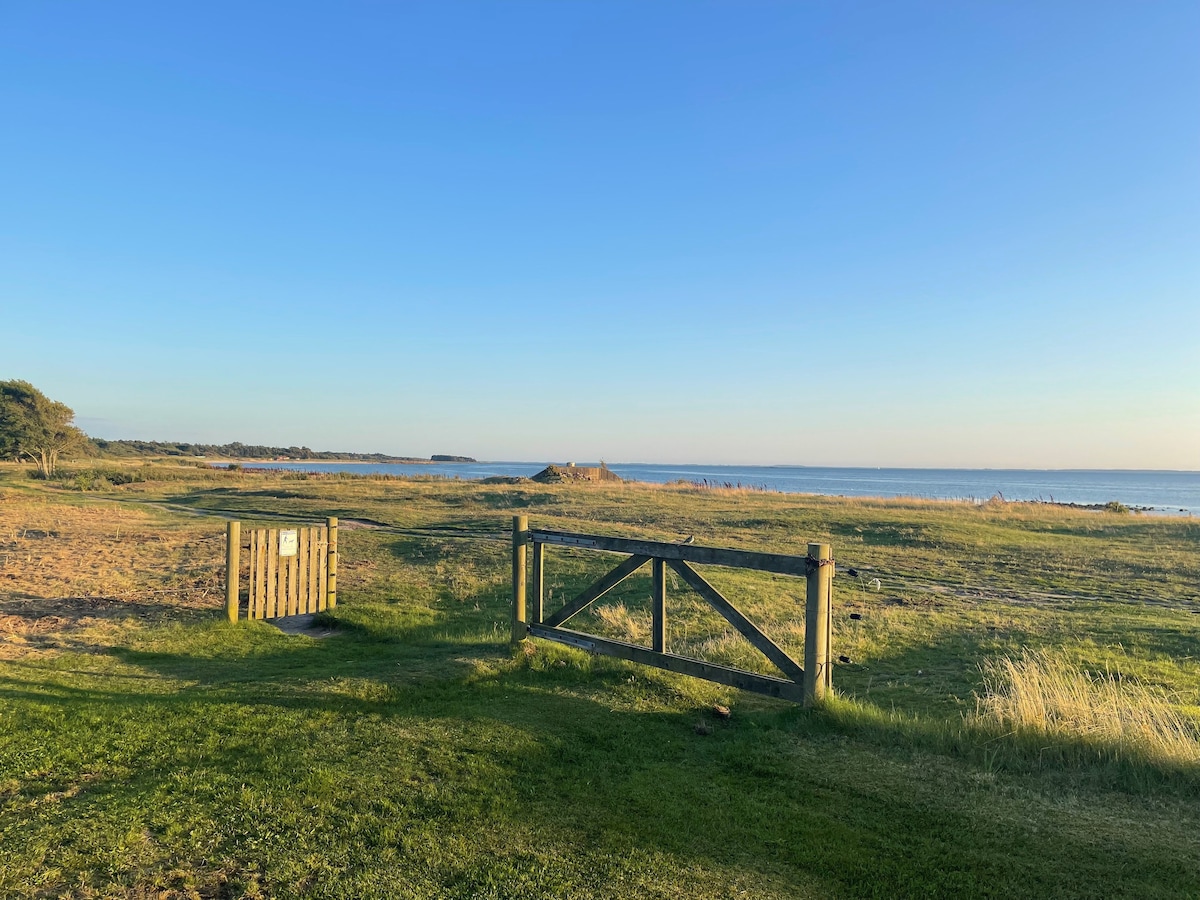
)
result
[(292, 571), (806, 684)]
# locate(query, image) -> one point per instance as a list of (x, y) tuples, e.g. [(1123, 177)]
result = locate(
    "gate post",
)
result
[(233, 566), (331, 579), (520, 629), (817, 616)]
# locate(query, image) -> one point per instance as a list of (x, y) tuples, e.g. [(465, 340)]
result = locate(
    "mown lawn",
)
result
[(149, 749)]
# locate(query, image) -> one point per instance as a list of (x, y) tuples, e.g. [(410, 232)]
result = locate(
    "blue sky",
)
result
[(916, 234)]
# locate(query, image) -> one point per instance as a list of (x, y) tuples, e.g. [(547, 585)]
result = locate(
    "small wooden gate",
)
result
[(292, 571)]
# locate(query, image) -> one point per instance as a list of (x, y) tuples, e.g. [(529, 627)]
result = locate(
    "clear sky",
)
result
[(824, 233)]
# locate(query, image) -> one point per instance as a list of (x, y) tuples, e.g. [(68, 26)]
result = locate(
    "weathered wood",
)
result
[(293, 567), (538, 588), (332, 563), (283, 585), (520, 535), (314, 600), (281, 581), (598, 589), (829, 630), (734, 617), (250, 577), (252, 596), (746, 681), (233, 568), (816, 624), (711, 556), (302, 565), (260, 573), (323, 569), (272, 566), (658, 607)]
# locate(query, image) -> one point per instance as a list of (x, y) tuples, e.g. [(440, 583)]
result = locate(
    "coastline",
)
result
[(1159, 493)]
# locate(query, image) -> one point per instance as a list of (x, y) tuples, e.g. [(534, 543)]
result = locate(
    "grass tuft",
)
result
[(1040, 693)]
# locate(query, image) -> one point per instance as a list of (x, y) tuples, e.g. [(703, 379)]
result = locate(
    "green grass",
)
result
[(416, 754)]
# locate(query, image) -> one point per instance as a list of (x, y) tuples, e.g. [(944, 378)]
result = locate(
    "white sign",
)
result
[(288, 543)]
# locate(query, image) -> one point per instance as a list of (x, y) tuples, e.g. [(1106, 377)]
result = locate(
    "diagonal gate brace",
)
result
[(734, 617), (598, 589)]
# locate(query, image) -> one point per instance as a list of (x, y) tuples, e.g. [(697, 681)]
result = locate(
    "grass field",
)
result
[(149, 749)]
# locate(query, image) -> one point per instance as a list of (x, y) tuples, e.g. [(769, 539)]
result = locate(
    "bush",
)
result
[(93, 479)]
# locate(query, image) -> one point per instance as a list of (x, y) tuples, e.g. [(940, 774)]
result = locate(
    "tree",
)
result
[(34, 427)]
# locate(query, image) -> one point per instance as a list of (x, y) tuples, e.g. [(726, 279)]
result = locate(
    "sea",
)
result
[(1161, 492)]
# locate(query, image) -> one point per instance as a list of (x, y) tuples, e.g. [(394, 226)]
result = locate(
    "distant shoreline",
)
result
[(1172, 493)]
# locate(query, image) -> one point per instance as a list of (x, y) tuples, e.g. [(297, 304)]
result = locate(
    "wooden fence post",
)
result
[(331, 590), (233, 566), (816, 624), (520, 533)]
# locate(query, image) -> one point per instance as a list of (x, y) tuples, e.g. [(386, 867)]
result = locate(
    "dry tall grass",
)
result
[(1038, 693)]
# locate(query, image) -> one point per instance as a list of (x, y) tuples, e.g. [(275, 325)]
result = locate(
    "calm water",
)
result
[(1176, 493)]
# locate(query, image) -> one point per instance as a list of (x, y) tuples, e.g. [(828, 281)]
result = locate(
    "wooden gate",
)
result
[(292, 571), (807, 684)]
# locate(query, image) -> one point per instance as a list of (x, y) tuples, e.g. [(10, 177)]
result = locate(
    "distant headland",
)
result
[(239, 451)]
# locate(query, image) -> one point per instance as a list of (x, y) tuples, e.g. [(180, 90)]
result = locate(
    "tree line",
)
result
[(42, 431), (234, 450)]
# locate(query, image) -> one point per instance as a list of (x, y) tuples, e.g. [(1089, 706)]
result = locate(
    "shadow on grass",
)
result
[(586, 770)]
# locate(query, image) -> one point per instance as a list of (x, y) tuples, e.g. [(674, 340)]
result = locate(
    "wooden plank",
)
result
[(250, 588), (293, 570), (314, 559), (746, 681), (272, 565), (302, 566), (250, 581), (658, 608), (598, 589), (323, 570), (710, 556), (537, 592), (260, 573), (733, 615), (280, 580)]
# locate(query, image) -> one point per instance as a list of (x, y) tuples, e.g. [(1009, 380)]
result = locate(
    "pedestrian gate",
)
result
[(292, 571)]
